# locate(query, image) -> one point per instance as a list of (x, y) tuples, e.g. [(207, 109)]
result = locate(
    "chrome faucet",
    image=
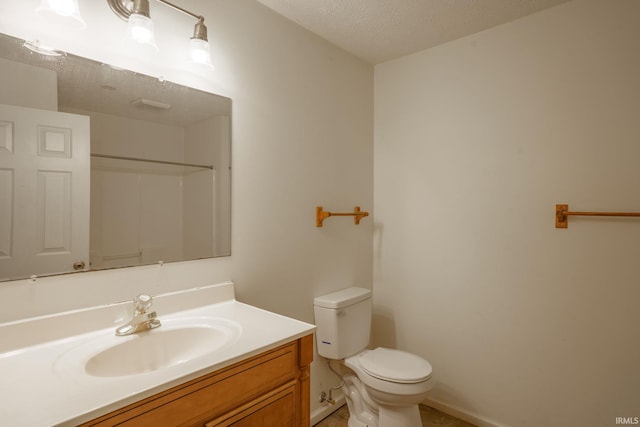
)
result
[(143, 320)]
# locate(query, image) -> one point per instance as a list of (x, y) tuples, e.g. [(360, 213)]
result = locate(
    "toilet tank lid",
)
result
[(343, 298)]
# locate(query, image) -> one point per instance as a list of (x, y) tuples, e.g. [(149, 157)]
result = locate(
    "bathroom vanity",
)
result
[(270, 389), (213, 362)]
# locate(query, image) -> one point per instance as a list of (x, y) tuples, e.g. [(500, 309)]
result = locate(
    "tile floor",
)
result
[(430, 418)]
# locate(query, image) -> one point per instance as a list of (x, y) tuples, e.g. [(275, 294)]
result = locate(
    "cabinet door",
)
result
[(277, 408)]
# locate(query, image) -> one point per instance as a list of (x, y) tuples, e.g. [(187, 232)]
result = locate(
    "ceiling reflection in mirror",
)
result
[(102, 167)]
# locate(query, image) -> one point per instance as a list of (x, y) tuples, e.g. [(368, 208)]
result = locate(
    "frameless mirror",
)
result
[(102, 167)]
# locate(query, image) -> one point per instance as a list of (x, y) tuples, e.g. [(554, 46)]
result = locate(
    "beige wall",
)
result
[(302, 131), (475, 143)]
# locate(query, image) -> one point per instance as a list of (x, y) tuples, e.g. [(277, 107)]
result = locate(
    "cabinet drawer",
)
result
[(212, 395), (277, 408)]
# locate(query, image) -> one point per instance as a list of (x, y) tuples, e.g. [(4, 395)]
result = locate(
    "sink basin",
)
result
[(177, 341), (156, 349)]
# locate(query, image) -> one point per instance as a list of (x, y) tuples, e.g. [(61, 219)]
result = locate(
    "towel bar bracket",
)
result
[(357, 215), (563, 213), (562, 220)]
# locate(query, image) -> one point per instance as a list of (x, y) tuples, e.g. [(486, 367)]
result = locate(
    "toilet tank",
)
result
[(343, 321)]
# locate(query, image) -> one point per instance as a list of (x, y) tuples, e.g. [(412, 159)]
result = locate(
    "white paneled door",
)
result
[(44, 192)]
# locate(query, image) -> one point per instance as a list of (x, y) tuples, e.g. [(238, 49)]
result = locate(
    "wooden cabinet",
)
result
[(270, 389)]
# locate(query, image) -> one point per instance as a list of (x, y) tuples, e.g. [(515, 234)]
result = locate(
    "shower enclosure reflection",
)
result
[(159, 176)]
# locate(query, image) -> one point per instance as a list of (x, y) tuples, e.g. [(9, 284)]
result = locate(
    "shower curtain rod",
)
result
[(137, 159)]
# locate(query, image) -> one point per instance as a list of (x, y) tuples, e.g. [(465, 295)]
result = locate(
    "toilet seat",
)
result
[(395, 366)]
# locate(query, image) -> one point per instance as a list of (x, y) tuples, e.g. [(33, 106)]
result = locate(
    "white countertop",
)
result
[(36, 389)]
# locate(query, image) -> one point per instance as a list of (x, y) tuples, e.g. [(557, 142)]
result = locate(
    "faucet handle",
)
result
[(142, 303)]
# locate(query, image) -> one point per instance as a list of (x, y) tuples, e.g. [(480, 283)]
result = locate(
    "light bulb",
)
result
[(140, 29), (63, 8), (199, 52)]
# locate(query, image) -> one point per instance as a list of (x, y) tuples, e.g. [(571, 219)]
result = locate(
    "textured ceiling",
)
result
[(379, 30)]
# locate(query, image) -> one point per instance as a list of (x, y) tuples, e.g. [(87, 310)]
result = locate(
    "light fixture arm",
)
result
[(122, 9), (200, 18), (119, 7)]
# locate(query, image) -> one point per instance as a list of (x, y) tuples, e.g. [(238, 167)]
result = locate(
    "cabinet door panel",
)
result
[(274, 409)]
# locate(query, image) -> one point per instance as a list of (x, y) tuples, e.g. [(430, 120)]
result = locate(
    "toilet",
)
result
[(383, 386)]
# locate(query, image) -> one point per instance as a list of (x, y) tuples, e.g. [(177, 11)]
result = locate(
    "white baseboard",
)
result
[(461, 413), (325, 410)]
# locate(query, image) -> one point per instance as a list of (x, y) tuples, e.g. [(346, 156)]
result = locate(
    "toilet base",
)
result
[(354, 422), (388, 417), (362, 410), (406, 416)]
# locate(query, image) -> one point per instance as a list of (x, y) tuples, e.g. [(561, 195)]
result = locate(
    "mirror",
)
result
[(102, 167)]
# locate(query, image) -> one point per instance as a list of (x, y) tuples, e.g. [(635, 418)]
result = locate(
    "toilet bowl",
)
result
[(394, 372), (396, 381), (384, 386)]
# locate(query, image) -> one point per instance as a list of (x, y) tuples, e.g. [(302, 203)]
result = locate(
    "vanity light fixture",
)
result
[(137, 14), (64, 8)]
